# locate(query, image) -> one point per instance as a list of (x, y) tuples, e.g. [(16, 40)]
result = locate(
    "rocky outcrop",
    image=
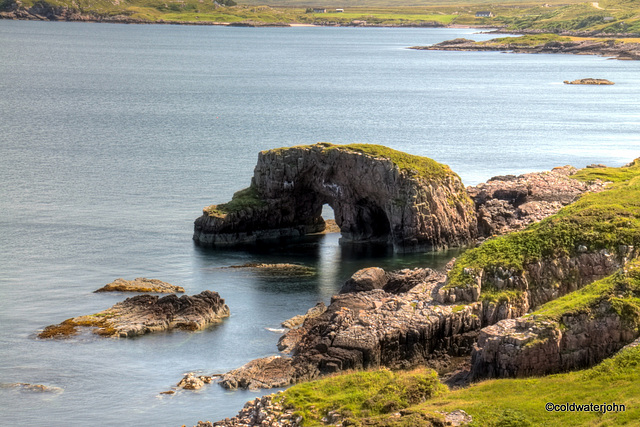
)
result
[(589, 82), (377, 194), (192, 381), (600, 47), (141, 285), (544, 280), (394, 282), (270, 372), (262, 411), (509, 203), (521, 347), (573, 332), (298, 320), (370, 329), (144, 314)]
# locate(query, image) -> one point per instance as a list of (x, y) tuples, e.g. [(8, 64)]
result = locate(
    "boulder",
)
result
[(366, 279)]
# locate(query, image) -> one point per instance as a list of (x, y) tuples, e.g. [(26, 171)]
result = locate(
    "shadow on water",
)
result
[(333, 262)]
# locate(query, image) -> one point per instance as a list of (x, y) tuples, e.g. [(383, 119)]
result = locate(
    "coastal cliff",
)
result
[(572, 332), (378, 195)]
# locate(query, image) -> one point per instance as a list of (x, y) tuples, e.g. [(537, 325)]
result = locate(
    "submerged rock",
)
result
[(142, 285), (378, 195), (143, 314), (280, 269), (37, 388)]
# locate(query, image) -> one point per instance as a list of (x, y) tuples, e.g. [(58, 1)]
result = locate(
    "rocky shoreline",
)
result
[(552, 314), (604, 47)]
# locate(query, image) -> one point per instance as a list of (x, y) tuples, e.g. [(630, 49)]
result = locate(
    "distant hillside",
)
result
[(591, 18)]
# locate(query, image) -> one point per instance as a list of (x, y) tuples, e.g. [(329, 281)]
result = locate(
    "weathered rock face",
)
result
[(509, 203), (142, 285), (144, 314), (576, 331), (374, 200), (523, 347), (544, 280), (375, 328)]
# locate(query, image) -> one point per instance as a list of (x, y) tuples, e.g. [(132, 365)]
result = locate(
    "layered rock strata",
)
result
[(509, 203), (142, 285), (377, 194), (540, 281), (144, 314), (576, 331), (374, 328)]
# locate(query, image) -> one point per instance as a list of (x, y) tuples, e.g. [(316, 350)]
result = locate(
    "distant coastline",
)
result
[(545, 43)]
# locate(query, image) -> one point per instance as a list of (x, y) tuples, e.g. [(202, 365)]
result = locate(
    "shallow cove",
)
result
[(114, 137)]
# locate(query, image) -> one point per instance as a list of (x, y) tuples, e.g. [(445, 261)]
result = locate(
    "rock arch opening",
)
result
[(378, 195)]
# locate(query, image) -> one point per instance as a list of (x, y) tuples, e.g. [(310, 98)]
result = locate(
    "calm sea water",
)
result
[(113, 138)]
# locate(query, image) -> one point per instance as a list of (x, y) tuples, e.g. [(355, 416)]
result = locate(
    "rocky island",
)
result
[(141, 285), (559, 293), (378, 195), (145, 314), (545, 43)]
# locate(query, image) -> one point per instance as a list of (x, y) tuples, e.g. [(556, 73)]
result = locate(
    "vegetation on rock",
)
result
[(621, 290), (597, 221), (367, 394), (247, 198), (505, 402)]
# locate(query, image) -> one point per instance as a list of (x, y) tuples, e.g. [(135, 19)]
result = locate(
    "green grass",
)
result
[(362, 394), (418, 165), (493, 403), (598, 221), (609, 174), (527, 41), (241, 200), (521, 402)]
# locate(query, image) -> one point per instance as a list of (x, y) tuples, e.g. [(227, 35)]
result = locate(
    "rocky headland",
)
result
[(141, 285), (145, 314), (601, 47), (423, 317), (378, 195)]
